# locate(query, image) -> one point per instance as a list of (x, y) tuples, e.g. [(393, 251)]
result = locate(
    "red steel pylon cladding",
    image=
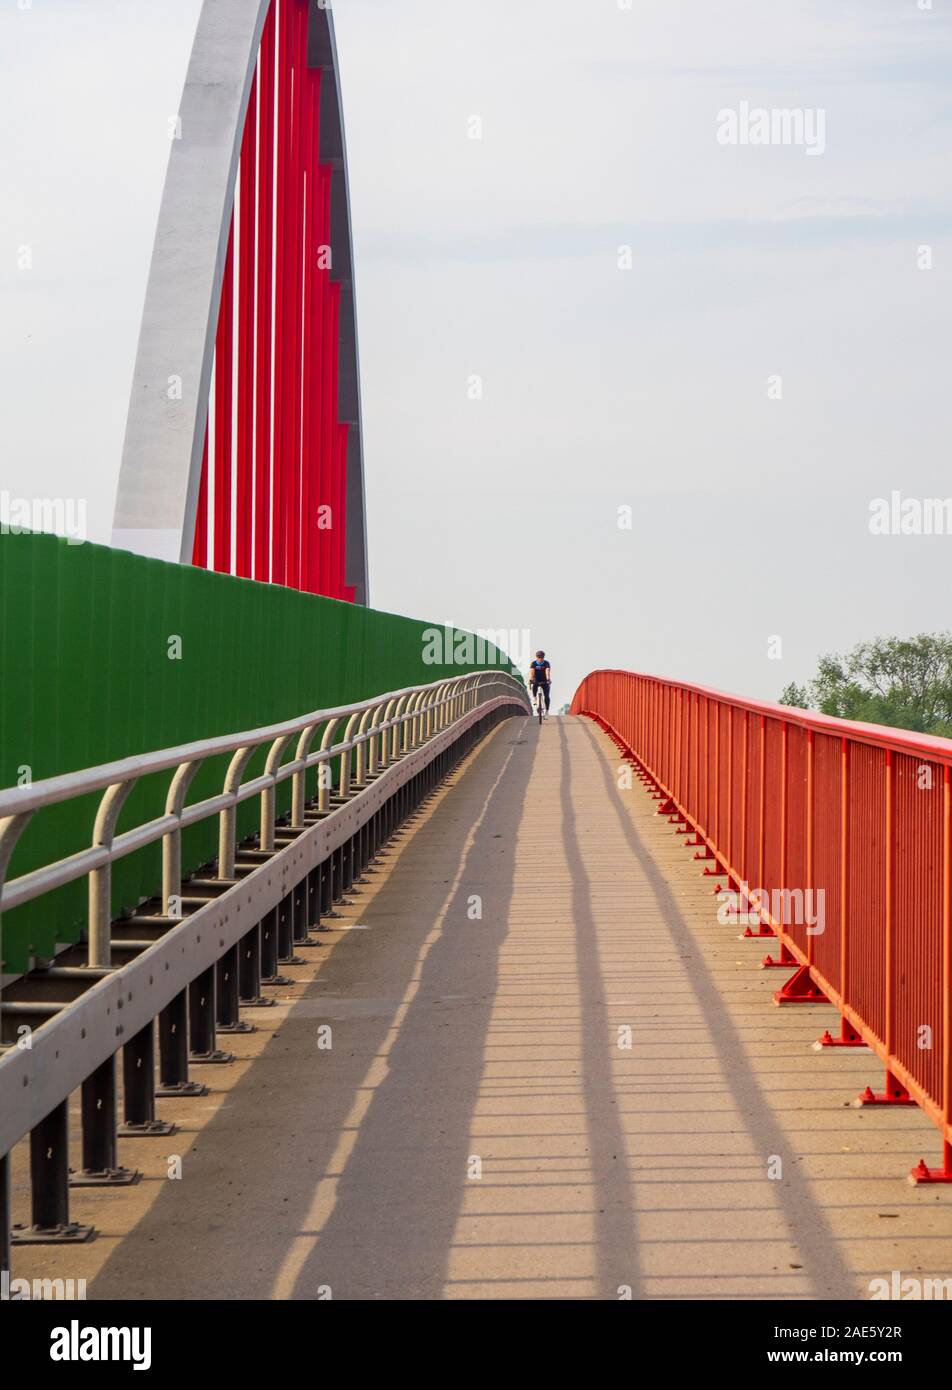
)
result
[(272, 505)]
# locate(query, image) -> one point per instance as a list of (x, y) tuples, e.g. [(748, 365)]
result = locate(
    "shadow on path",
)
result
[(614, 1217), (805, 1218)]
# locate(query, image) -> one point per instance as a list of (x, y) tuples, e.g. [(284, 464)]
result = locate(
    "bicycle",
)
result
[(540, 703)]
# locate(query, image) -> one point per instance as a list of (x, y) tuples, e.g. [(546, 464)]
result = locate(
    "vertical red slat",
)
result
[(337, 531), (282, 313), (200, 543), (291, 363), (264, 307), (224, 366), (246, 355), (340, 513), (327, 461), (309, 299), (318, 407)]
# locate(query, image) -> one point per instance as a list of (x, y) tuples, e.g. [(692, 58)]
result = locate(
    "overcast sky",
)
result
[(602, 387)]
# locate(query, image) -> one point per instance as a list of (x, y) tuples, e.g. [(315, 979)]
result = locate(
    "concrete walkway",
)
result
[(480, 1127)]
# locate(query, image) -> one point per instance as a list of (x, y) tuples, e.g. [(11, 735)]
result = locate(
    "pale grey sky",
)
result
[(602, 387)]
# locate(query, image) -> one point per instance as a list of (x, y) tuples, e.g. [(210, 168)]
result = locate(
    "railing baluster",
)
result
[(100, 880)]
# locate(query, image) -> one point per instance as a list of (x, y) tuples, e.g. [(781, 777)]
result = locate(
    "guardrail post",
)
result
[(286, 954), (324, 888), (138, 1087), (101, 1166), (299, 780), (11, 828), (4, 1213), (314, 898), (249, 971), (410, 725), (49, 1178), (324, 769), (270, 974), (347, 867), (100, 880), (344, 778), (396, 733), (386, 740), (172, 842), (377, 757), (173, 1051), (268, 795), (361, 749), (302, 913), (228, 1019), (201, 1020)]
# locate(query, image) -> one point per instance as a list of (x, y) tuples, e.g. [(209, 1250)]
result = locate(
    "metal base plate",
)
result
[(210, 1058), (109, 1177), (73, 1234), (235, 1028), (180, 1088), (922, 1173), (147, 1129)]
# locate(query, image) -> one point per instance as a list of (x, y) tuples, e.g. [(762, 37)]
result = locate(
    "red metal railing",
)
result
[(858, 817)]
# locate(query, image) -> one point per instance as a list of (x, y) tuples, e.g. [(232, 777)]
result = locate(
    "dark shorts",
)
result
[(543, 686)]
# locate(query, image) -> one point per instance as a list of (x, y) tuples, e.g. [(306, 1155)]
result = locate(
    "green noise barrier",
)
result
[(105, 654)]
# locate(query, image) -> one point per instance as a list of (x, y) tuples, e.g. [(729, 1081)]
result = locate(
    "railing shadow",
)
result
[(822, 1260), (368, 1207), (617, 1261)]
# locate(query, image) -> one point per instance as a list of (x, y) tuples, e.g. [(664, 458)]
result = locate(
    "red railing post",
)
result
[(762, 792), (744, 797), (808, 886), (947, 971), (848, 1036)]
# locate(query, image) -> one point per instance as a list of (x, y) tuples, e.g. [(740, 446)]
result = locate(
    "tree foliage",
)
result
[(905, 682)]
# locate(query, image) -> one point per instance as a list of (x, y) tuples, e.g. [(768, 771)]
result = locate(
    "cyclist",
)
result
[(540, 674)]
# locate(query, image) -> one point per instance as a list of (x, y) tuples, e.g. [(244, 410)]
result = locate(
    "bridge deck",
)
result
[(476, 1129)]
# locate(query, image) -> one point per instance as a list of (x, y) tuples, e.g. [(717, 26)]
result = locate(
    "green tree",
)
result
[(905, 682)]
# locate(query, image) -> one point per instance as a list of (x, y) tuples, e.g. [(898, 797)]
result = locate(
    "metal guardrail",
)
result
[(210, 943), (783, 802)]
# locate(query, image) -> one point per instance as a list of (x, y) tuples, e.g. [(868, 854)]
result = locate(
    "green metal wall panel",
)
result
[(86, 677)]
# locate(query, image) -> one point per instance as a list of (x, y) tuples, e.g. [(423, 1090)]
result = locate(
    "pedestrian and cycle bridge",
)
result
[(327, 971)]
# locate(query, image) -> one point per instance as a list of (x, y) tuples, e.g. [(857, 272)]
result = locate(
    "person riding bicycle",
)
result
[(540, 675)]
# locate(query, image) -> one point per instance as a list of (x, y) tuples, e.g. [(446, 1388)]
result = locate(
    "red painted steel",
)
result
[(287, 456), (291, 368), (282, 307), (309, 350), (200, 543), (224, 381), (264, 303), (244, 489), (859, 813)]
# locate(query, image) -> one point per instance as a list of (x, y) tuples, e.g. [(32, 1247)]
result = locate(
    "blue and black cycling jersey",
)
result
[(539, 669)]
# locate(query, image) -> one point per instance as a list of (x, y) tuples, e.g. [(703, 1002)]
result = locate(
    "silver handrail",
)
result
[(400, 720)]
